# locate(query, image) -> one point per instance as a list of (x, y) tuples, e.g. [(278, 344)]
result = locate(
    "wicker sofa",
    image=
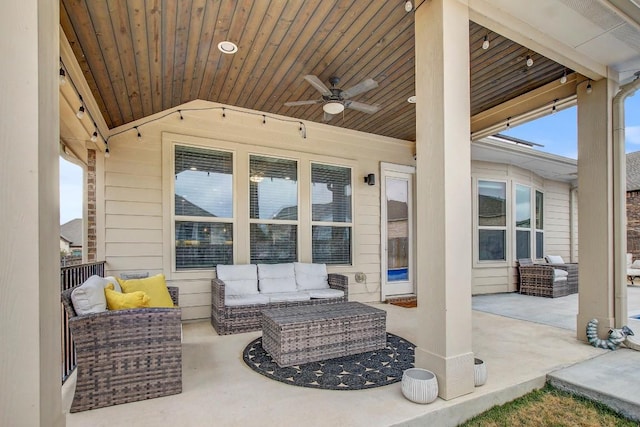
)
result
[(125, 355), (547, 280), (229, 317)]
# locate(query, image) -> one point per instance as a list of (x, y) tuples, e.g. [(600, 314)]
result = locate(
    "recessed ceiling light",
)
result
[(227, 47), (411, 99)]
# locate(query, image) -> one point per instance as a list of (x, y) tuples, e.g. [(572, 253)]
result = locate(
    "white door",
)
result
[(397, 230)]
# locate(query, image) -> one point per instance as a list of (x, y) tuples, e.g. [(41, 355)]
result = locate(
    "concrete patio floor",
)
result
[(220, 390)]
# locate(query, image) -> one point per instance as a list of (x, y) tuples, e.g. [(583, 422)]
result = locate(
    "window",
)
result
[(523, 221), (273, 206), (539, 224), (203, 207), (492, 220), (331, 220)]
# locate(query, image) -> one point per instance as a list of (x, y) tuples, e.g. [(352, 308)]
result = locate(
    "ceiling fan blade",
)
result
[(363, 86), (326, 117), (296, 103), (317, 83), (359, 106)]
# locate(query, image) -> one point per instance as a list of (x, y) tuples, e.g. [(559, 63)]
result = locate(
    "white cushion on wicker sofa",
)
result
[(559, 274), (275, 278), (311, 276), (239, 279), (325, 293), (288, 296), (236, 300)]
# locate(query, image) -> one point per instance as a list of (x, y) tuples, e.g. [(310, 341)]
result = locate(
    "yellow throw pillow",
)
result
[(155, 287), (120, 301)]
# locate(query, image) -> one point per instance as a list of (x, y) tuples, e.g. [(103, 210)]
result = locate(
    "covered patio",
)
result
[(220, 389), (139, 88)]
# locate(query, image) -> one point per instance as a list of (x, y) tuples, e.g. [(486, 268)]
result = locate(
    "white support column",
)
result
[(596, 236), (30, 364), (443, 195)]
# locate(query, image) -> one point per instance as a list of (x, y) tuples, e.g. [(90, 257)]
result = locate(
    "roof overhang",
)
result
[(502, 150)]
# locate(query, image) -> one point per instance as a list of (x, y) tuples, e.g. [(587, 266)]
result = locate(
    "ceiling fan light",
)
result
[(333, 107)]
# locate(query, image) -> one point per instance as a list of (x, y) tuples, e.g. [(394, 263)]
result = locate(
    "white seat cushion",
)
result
[(89, 297), (554, 259), (311, 276), (288, 296), (633, 271), (325, 293), (236, 300), (241, 279), (273, 278), (558, 273)]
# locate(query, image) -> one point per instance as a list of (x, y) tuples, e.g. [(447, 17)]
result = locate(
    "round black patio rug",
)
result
[(357, 372)]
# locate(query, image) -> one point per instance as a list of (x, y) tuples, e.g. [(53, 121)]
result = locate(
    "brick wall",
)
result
[(633, 223), (91, 206)]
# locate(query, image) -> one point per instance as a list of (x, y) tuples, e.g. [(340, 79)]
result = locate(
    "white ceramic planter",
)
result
[(479, 372), (419, 385)]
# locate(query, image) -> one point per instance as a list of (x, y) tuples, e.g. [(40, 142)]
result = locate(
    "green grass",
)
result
[(549, 407)]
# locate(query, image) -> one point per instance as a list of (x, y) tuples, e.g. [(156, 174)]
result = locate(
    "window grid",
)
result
[(492, 220)]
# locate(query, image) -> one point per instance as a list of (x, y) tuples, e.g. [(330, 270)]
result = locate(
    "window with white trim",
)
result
[(523, 221), (273, 210), (539, 224), (203, 207), (492, 220), (331, 214)]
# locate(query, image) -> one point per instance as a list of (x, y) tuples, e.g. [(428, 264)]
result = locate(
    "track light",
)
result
[(589, 88), (180, 112), (485, 42), (529, 61), (553, 109), (63, 76), (563, 79), (139, 134), (80, 113)]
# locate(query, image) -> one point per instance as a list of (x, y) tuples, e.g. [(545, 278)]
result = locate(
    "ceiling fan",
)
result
[(335, 100)]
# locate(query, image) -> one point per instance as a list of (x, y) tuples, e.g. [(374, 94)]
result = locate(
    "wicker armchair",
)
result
[(125, 355), (543, 280)]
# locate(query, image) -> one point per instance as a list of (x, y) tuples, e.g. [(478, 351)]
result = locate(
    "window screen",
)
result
[(331, 214), (203, 207), (273, 205)]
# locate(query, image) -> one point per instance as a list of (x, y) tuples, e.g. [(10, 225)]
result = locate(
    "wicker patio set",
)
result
[(136, 353)]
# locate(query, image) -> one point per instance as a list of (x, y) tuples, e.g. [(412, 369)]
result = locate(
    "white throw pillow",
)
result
[(311, 276), (239, 279), (276, 278), (554, 259), (89, 297)]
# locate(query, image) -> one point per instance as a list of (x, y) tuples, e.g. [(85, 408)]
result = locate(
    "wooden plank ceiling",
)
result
[(140, 57)]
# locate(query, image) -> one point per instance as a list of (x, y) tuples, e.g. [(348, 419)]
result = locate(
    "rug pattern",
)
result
[(357, 372)]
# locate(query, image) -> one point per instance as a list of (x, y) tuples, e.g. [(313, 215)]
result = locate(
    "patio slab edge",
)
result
[(470, 406)]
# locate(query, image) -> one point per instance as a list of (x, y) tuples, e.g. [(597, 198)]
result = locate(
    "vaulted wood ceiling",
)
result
[(140, 57)]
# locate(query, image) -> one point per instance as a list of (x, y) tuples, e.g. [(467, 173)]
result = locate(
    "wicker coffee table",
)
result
[(297, 335)]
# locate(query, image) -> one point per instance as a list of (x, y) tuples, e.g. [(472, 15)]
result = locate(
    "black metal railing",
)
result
[(72, 276)]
